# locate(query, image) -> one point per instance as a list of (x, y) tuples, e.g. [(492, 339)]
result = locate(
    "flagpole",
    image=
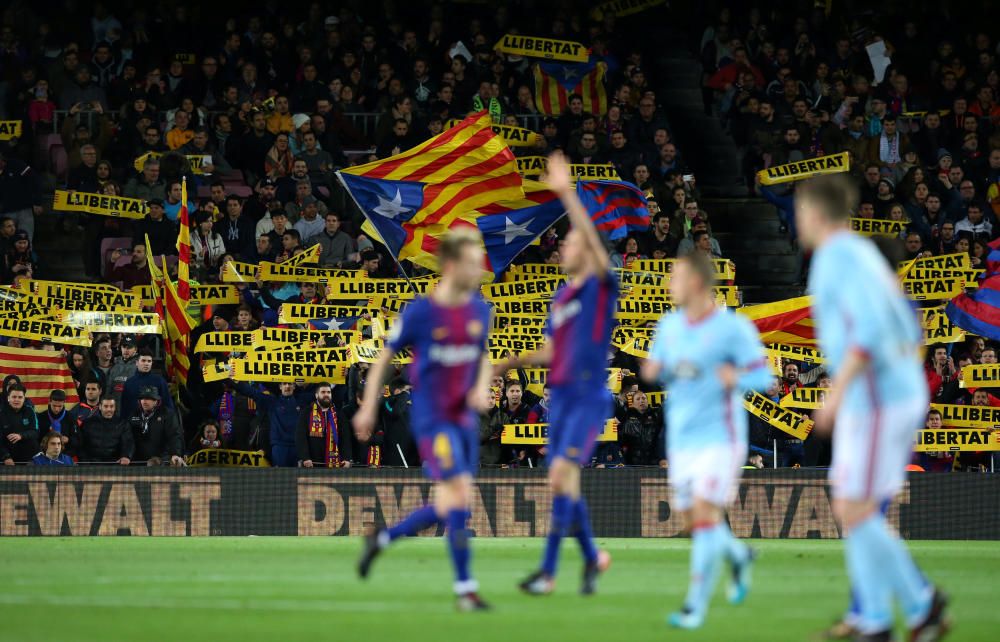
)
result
[(395, 259)]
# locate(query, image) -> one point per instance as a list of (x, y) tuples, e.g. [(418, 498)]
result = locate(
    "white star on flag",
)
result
[(332, 324), (569, 73), (390, 209), (512, 230)]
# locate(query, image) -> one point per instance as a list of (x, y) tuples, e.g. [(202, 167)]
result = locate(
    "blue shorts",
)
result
[(447, 450), (576, 418)]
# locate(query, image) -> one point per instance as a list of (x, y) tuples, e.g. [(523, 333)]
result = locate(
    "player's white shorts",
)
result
[(710, 474), (872, 448)]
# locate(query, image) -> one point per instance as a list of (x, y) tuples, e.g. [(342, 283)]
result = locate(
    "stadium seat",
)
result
[(108, 245), (59, 163)]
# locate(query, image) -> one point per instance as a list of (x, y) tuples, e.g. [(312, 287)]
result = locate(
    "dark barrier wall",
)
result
[(624, 503)]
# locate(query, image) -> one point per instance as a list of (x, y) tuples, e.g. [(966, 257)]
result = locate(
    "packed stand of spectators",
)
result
[(923, 135)]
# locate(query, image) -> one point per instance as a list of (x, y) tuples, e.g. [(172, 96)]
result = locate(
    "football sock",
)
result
[(583, 531), (737, 551), (458, 547), (709, 544), (867, 550), (562, 520)]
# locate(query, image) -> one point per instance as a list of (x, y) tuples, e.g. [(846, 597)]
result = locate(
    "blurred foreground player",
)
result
[(579, 337), (447, 331), (707, 357), (872, 341)]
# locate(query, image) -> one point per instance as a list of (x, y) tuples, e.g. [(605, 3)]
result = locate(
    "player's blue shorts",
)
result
[(576, 417), (448, 450)]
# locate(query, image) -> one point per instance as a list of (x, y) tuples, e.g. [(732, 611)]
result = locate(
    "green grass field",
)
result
[(290, 589)]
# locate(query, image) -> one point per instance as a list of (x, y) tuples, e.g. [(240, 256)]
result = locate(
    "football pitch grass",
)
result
[(289, 589)]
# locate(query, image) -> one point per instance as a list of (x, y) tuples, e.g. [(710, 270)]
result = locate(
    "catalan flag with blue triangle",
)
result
[(555, 82)]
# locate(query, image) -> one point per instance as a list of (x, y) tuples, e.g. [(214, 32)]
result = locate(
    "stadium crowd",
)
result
[(118, 103)]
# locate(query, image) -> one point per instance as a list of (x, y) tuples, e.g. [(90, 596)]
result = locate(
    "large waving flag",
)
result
[(453, 174), (511, 226), (616, 207), (556, 81), (789, 321), (978, 311), (41, 372), (179, 326)]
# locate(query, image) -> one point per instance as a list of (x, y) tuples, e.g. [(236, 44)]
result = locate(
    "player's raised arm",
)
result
[(559, 181)]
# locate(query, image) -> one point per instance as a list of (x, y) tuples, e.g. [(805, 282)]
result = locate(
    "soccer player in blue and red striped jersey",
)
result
[(451, 385), (579, 337)]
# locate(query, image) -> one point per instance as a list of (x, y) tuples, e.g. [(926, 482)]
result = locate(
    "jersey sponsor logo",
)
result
[(563, 313), (454, 355)]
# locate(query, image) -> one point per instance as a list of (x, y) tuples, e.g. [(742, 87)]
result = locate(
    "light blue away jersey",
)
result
[(858, 305), (699, 411)]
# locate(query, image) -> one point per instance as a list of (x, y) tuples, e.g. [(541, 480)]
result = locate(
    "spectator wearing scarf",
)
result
[(319, 440), (236, 414)]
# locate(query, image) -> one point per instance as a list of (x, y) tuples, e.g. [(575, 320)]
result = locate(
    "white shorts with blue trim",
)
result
[(711, 474)]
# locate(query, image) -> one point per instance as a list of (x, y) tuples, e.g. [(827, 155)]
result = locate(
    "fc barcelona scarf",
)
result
[(226, 408), (323, 423)]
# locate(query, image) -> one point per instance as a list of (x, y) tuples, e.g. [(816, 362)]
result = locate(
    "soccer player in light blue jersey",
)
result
[(707, 357), (451, 376), (578, 333), (872, 341)]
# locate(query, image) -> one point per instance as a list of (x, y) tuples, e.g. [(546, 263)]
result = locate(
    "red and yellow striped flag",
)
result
[(184, 248), (179, 326), (462, 168), (789, 321), (41, 372)]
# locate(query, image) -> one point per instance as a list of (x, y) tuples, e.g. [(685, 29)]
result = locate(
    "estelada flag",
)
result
[(421, 192), (789, 321), (41, 372), (978, 311), (555, 82)]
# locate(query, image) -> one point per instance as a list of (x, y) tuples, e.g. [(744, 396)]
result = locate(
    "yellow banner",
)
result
[(302, 312), (310, 256), (623, 7), (728, 295), (513, 136), (538, 434), (100, 204), (934, 289), (516, 344), (302, 355), (832, 164), (536, 308), (974, 376), (223, 457), (276, 338), (805, 398), (37, 329), (367, 288), (212, 370), (535, 166), (263, 371), (200, 295), (877, 227), (635, 346), (631, 310), (225, 342), (952, 440), (195, 160), (546, 48), (962, 416), (527, 289), (938, 328), (368, 352), (723, 267), (58, 293), (238, 272), (284, 272), (505, 321), (795, 353), (27, 306), (10, 129), (628, 278), (775, 416), (535, 269), (956, 261), (117, 322)]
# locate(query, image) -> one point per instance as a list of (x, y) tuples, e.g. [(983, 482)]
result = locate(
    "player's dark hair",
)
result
[(455, 242), (702, 265), (834, 195)]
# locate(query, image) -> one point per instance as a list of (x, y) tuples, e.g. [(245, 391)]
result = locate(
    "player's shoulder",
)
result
[(480, 307)]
